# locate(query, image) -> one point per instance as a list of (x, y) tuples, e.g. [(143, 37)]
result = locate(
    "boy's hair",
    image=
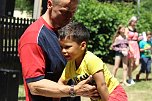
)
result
[(74, 31), (148, 33)]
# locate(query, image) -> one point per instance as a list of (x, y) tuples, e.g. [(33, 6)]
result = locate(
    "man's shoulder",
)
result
[(35, 25), (31, 33)]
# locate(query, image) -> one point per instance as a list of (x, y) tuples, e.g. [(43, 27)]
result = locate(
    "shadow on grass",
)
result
[(140, 80), (21, 98)]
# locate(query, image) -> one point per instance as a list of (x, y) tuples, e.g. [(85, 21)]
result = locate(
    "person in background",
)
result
[(82, 63), (134, 53), (145, 52), (41, 58), (121, 48)]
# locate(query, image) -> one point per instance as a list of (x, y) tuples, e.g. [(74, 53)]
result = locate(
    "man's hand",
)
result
[(86, 90)]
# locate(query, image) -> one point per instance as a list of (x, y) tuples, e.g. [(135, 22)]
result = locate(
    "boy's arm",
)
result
[(141, 46), (61, 81), (101, 85)]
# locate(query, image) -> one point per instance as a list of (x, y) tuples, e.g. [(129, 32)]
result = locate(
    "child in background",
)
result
[(82, 63), (121, 48), (145, 54)]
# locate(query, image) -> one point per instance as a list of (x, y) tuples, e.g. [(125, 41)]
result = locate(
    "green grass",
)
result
[(21, 93), (141, 91)]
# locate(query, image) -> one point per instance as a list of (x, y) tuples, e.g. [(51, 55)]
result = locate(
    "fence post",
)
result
[(1, 39), (10, 31), (9, 85)]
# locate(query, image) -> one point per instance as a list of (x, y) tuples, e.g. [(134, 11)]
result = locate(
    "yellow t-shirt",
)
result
[(89, 66)]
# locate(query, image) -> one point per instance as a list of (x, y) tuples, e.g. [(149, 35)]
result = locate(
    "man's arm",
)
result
[(49, 88)]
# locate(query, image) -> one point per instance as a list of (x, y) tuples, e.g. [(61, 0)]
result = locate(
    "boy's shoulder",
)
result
[(91, 56), (142, 41)]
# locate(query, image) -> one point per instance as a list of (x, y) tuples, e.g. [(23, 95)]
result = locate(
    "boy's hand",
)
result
[(86, 90)]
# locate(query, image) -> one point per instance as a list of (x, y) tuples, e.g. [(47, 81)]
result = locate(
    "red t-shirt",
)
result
[(40, 56)]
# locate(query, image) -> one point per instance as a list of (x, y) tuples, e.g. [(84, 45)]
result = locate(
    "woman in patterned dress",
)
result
[(134, 53)]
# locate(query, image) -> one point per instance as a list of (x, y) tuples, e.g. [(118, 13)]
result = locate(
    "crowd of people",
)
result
[(132, 49)]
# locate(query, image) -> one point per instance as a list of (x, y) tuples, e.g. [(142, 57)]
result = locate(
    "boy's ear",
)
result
[(83, 45)]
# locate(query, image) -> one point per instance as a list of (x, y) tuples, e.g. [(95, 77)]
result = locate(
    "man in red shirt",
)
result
[(41, 58)]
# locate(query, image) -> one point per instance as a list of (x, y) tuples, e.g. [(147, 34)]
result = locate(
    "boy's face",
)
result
[(148, 37), (71, 49)]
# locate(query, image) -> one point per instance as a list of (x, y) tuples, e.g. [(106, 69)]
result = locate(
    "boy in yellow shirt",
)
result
[(73, 39)]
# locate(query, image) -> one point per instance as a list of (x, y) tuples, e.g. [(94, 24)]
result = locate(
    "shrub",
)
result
[(102, 20)]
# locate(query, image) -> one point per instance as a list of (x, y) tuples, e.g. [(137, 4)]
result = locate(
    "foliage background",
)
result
[(24, 5), (102, 19)]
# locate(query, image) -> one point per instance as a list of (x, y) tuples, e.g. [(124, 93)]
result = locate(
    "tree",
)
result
[(102, 19), (25, 5), (146, 4)]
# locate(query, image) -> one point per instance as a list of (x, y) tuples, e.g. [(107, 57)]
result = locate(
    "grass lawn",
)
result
[(141, 91)]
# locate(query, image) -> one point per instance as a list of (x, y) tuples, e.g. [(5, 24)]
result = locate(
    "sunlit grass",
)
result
[(21, 93), (141, 91)]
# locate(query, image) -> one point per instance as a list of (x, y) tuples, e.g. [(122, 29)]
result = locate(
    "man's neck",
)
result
[(47, 18)]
